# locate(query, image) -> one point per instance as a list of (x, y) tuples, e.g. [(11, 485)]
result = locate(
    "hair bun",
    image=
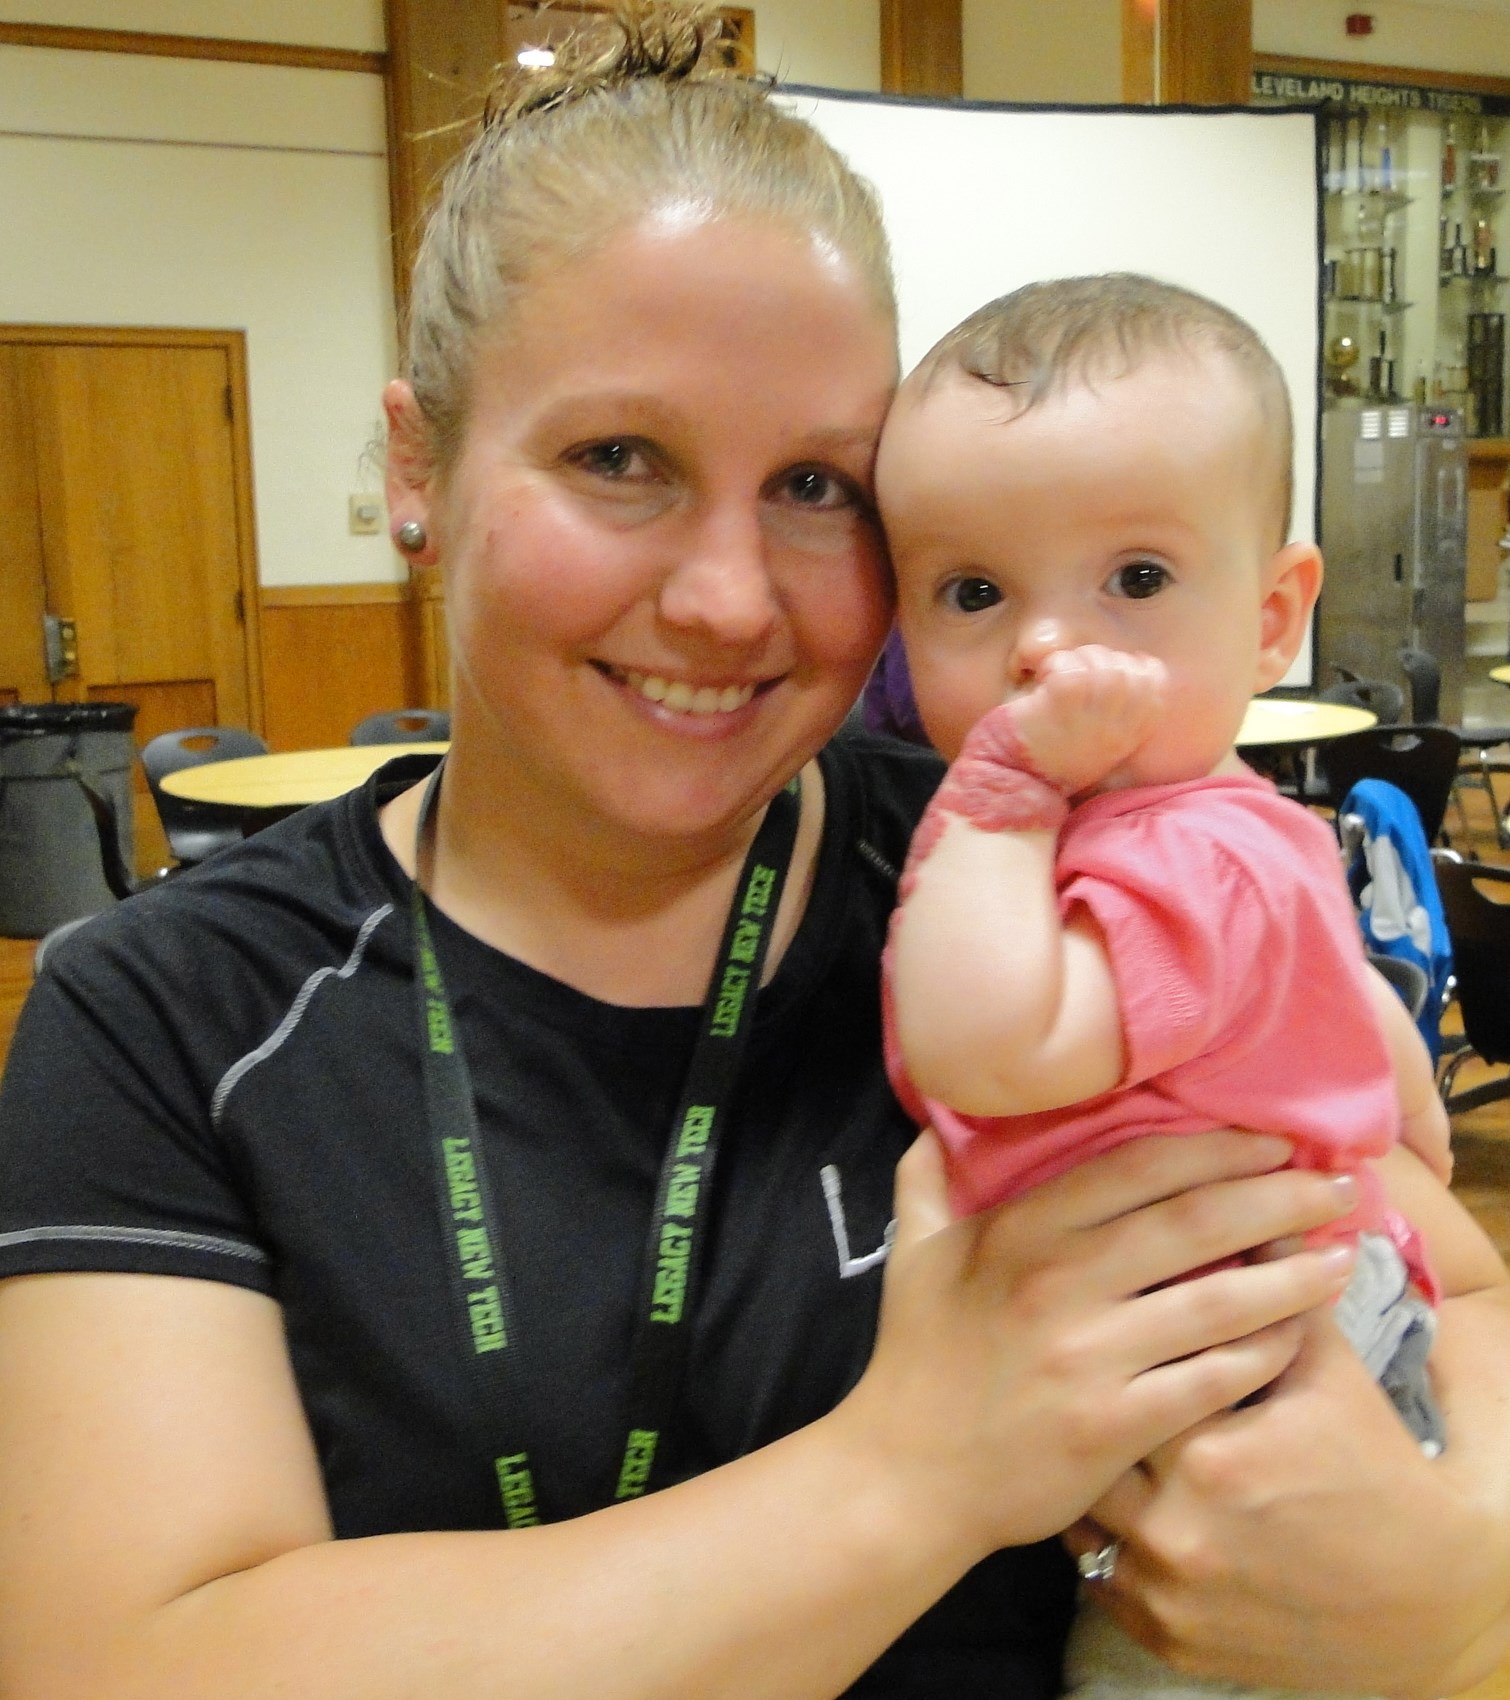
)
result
[(666, 40)]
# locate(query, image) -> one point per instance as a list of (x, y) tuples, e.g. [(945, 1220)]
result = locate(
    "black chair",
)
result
[(1408, 979), (1480, 930), (196, 830), (1382, 698), (1424, 675), (1421, 760), (404, 726), (1294, 769)]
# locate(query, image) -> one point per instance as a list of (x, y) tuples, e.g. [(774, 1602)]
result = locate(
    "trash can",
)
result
[(53, 757)]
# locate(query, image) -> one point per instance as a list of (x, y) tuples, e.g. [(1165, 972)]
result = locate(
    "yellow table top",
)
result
[(289, 780), (1501, 675), (1296, 720)]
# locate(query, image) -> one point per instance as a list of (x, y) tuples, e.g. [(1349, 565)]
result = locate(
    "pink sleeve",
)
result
[(1195, 948)]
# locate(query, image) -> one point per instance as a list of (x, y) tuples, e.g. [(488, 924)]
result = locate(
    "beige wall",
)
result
[(834, 44), (1472, 39), (313, 23), (146, 191), (1043, 50)]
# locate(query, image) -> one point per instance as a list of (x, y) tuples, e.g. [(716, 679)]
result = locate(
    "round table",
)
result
[(279, 783), (1298, 720)]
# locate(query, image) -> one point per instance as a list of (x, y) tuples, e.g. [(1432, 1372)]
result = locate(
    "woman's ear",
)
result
[(410, 478), (1291, 583)]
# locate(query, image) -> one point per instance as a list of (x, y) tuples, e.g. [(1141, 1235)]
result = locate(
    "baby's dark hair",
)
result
[(1040, 339)]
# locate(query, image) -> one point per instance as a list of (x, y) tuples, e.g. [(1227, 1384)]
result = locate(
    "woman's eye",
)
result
[(813, 487), (614, 458), (1139, 580), (970, 595)]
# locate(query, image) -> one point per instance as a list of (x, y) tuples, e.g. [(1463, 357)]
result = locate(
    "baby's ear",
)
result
[(1291, 582)]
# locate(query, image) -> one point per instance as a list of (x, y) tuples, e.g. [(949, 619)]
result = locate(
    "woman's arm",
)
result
[(1305, 1541), (163, 1534)]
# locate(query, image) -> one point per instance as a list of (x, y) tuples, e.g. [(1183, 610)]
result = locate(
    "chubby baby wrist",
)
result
[(993, 784)]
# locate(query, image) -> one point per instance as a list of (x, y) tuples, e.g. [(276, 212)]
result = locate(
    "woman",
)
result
[(652, 346)]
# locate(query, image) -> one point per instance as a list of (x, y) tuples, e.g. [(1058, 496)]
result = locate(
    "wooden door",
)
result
[(23, 673), (123, 456)]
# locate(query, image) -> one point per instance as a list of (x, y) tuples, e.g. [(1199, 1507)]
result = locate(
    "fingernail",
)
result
[(1338, 1261), (1345, 1191)]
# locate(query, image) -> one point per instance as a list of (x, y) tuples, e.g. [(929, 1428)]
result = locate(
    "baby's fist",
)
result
[(1087, 711)]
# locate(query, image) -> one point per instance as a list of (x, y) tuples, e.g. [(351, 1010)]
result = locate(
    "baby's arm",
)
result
[(1001, 1008), (1424, 1126)]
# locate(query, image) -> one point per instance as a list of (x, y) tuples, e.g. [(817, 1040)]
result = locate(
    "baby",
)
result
[(1109, 926)]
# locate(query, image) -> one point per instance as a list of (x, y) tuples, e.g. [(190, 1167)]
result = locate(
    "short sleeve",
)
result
[(108, 1158), (1192, 938)]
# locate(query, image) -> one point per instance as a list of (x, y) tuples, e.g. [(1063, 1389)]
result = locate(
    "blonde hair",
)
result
[(1046, 336), (569, 154)]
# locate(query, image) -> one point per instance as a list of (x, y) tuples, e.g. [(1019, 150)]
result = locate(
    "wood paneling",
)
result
[(922, 48), (1187, 52), (23, 675), (191, 47), (333, 654)]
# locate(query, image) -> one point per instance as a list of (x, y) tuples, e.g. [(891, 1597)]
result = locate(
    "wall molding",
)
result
[(334, 595), (1348, 70), (194, 47)]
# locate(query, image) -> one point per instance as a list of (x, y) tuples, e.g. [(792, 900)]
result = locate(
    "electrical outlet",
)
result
[(366, 515)]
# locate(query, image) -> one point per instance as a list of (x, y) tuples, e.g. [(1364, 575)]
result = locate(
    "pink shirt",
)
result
[(1240, 972)]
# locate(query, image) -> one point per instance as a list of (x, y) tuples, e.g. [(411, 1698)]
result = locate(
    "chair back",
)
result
[(1424, 676), (196, 830), (404, 726), (1385, 701), (1421, 760), (1408, 979), (1480, 930)]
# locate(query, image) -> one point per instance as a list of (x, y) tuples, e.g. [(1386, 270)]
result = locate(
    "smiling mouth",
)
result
[(680, 696)]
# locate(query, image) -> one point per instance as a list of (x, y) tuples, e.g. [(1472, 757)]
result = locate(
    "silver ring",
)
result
[(1100, 1566)]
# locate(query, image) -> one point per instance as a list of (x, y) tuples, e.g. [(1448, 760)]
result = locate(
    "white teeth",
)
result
[(684, 698)]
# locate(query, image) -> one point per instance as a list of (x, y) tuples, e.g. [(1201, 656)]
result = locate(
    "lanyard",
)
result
[(487, 1326)]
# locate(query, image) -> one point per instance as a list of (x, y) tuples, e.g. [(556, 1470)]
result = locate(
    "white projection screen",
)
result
[(980, 199)]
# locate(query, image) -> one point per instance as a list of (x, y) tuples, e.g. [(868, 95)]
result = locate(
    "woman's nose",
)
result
[(723, 583)]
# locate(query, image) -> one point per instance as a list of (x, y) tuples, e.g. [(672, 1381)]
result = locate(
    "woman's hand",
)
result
[(1305, 1541), (1029, 1355)]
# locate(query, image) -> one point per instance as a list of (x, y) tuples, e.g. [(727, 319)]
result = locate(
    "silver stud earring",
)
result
[(411, 537)]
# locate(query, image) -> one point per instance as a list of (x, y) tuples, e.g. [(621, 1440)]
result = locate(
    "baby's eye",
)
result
[(816, 487), (971, 595), (615, 458), (1139, 580)]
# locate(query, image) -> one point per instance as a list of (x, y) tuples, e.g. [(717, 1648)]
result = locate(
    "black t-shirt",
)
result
[(221, 1079)]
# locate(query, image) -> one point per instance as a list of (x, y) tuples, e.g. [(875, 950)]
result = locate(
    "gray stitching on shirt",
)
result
[(243, 1066), (174, 1237)]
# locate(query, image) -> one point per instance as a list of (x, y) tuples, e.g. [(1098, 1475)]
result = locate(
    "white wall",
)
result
[(146, 191), (311, 23), (1468, 38), (1024, 50), (831, 44)]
